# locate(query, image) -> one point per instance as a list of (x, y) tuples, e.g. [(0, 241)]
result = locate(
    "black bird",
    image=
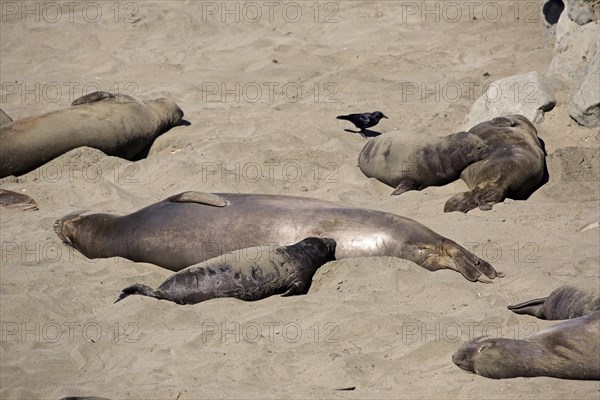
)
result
[(364, 120)]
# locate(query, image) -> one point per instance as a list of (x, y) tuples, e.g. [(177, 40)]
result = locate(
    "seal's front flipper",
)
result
[(295, 288), (92, 98), (208, 199), (532, 307), (404, 186), (102, 96)]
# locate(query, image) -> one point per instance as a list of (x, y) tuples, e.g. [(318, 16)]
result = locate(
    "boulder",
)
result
[(575, 46), (584, 107), (580, 11), (527, 94)]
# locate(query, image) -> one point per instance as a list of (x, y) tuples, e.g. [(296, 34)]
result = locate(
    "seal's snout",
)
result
[(61, 224)]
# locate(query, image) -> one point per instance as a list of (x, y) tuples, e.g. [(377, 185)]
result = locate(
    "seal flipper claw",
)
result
[(208, 199)]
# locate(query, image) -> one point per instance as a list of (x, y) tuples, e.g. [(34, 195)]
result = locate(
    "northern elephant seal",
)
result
[(247, 274), (407, 161), (514, 167), (497, 159), (568, 350), (191, 227), (4, 118), (11, 199), (566, 302), (118, 125)]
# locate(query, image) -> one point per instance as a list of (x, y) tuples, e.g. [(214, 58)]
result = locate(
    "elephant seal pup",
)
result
[(118, 125), (567, 350), (514, 167), (566, 302), (247, 274), (11, 199), (413, 162), (191, 227), (4, 118)]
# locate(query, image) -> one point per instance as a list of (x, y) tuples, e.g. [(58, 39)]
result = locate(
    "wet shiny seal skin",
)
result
[(407, 161), (568, 350), (514, 167), (247, 274), (10, 199), (566, 302), (118, 125), (192, 227)]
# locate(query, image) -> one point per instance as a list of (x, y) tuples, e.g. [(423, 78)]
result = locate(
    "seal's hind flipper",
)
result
[(532, 307), (8, 198), (142, 290), (208, 199), (4, 118)]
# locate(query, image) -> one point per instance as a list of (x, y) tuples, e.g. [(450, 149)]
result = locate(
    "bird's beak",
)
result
[(384, 117)]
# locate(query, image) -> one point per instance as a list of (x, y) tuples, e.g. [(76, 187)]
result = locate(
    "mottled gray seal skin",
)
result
[(567, 350), (191, 227), (566, 302), (514, 167), (118, 125), (246, 274), (408, 161), (4, 118), (11, 199)]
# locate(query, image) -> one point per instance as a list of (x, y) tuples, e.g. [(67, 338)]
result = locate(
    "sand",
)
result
[(377, 327)]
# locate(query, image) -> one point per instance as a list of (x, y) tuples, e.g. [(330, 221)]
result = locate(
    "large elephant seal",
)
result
[(566, 302), (568, 350), (514, 167), (118, 125), (413, 162), (246, 274), (4, 118), (191, 227), (11, 199)]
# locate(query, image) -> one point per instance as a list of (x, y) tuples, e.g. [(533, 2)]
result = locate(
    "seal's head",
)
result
[(64, 227), (172, 114), (315, 248), (496, 358)]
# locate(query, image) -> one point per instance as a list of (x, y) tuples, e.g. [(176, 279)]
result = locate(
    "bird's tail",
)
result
[(345, 117)]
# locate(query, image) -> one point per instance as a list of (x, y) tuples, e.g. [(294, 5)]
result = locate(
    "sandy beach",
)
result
[(261, 86)]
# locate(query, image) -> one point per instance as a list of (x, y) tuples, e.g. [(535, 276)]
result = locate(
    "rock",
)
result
[(584, 107), (580, 11), (574, 48), (551, 10), (528, 94)]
